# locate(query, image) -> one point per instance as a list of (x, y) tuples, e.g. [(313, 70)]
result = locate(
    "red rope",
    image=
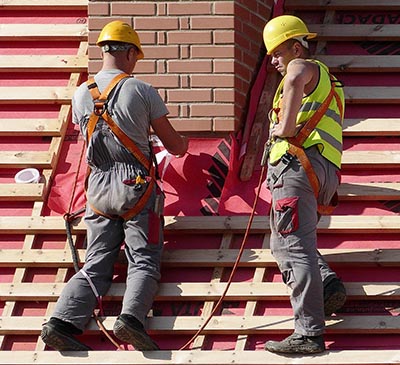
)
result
[(236, 264)]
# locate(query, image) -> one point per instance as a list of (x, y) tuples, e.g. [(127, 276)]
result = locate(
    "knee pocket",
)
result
[(286, 215)]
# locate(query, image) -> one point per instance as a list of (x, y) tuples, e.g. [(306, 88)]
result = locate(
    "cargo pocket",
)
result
[(288, 277), (286, 215)]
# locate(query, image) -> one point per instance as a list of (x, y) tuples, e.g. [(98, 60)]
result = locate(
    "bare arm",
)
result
[(175, 143), (300, 74)]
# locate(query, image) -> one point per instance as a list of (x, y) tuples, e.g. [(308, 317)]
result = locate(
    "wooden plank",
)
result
[(173, 325), (50, 127), (43, 5), (372, 95), (21, 192), (357, 63), (36, 95), (51, 32), (369, 191), (356, 32), (208, 357), (25, 159), (361, 5), (374, 159), (371, 127), (200, 291), (209, 225), (200, 258), (43, 63), (29, 127)]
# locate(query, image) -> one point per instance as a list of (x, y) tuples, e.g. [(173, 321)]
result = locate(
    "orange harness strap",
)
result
[(100, 110), (296, 149)]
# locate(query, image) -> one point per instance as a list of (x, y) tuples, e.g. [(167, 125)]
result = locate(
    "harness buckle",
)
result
[(287, 158), (99, 108)]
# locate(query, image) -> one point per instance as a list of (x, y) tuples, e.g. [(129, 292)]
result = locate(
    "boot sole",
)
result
[(293, 350), (138, 339), (334, 303), (61, 342)]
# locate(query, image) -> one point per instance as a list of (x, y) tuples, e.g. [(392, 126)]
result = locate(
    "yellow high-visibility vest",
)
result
[(328, 133)]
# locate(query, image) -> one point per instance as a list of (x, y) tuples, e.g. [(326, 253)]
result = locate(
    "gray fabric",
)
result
[(294, 220)]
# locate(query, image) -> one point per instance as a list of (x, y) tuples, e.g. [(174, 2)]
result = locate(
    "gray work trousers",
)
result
[(143, 237), (293, 221)]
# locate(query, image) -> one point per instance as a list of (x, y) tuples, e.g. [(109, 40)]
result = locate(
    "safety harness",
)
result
[(100, 110), (296, 149)]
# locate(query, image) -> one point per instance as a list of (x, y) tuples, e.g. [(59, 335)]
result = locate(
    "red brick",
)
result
[(184, 23), (189, 37), (213, 81), (224, 66), (227, 51), (189, 95), (97, 23), (184, 111), (156, 23), (161, 52), (226, 124), (132, 8), (192, 124), (224, 95), (145, 67), (213, 22), (218, 110), (184, 81), (192, 66), (161, 9), (189, 7), (224, 7), (224, 36), (167, 81), (98, 9)]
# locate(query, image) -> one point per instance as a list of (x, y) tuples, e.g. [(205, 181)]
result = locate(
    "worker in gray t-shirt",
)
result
[(115, 113)]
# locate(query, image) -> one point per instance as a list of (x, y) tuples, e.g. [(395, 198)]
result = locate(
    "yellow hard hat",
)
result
[(118, 31), (282, 28)]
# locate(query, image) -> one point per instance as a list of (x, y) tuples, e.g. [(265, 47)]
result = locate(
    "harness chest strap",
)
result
[(100, 110)]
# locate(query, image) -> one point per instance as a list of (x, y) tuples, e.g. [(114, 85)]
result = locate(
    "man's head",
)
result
[(285, 38), (118, 36), (282, 28)]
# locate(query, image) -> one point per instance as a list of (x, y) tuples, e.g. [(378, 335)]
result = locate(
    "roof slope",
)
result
[(42, 60)]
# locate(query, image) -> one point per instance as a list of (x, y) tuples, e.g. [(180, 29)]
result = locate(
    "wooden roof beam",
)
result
[(51, 32), (200, 258), (38, 5), (200, 291), (189, 357), (209, 224), (178, 325), (43, 63)]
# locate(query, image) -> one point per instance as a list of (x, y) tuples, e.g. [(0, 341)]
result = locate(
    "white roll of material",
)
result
[(27, 176)]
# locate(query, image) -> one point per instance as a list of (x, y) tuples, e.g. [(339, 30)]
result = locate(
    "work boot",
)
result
[(297, 344), (59, 335), (128, 329), (334, 296)]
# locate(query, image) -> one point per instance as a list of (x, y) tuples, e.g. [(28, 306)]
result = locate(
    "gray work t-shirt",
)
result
[(133, 105)]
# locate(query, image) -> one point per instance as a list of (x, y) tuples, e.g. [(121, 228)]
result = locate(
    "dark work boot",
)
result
[(59, 335), (297, 344), (128, 329), (334, 296)]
